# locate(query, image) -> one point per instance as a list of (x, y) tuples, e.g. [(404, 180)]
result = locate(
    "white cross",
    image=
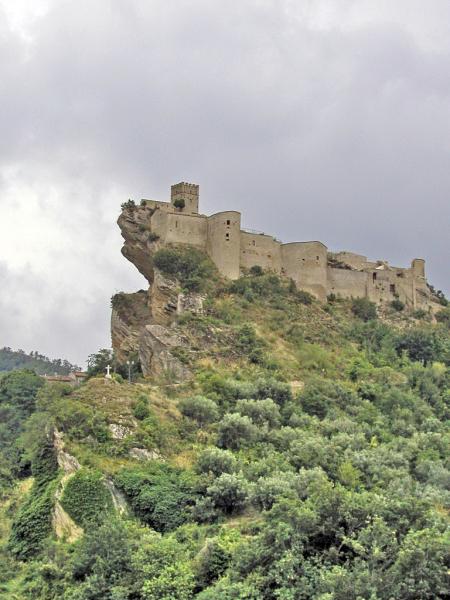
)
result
[(108, 368)]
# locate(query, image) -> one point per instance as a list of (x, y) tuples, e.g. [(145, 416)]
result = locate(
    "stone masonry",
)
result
[(235, 250)]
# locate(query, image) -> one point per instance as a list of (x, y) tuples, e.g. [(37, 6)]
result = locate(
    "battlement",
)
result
[(185, 196), (308, 263)]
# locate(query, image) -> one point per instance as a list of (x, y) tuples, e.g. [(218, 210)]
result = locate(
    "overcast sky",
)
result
[(318, 119)]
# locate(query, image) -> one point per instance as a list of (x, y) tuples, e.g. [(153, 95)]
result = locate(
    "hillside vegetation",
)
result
[(11, 360), (307, 458)]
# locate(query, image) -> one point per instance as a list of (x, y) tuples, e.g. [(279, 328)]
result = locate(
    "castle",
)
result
[(309, 264)]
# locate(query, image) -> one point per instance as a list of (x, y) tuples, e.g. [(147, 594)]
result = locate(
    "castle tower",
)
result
[(224, 242), (187, 192), (418, 267)]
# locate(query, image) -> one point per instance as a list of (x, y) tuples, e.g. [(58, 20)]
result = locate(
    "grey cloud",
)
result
[(319, 120)]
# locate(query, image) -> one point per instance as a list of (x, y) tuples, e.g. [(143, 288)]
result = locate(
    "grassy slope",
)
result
[(297, 342)]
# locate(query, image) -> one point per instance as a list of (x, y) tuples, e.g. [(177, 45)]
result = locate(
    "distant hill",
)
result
[(11, 360)]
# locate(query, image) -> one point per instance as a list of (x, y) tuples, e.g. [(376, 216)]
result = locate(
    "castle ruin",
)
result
[(308, 263)]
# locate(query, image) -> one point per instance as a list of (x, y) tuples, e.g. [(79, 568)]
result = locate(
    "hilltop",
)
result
[(11, 360), (277, 447)]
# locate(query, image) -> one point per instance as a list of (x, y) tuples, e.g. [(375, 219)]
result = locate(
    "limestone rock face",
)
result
[(137, 246), (163, 298), (129, 314), (119, 432), (144, 322), (191, 302), (68, 463), (155, 352), (143, 454)]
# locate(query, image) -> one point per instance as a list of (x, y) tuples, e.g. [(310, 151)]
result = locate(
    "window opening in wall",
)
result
[(392, 288), (254, 243), (176, 223), (227, 237), (317, 257), (374, 276), (228, 222)]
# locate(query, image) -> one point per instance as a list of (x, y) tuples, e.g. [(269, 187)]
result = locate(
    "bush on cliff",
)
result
[(190, 266), (364, 309)]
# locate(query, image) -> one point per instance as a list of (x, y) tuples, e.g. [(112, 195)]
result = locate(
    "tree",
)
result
[(229, 492), (235, 431), (98, 361), (364, 309), (261, 412), (216, 461), (421, 345), (19, 389), (201, 409)]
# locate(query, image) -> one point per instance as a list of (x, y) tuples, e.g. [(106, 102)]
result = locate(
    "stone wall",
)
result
[(260, 249), (306, 264), (187, 229), (235, 251), (347, 284), (357, 261), (223, 242)]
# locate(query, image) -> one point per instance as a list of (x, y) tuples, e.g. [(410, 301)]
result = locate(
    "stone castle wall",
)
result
[(306, 264), (309, 264), (260, 249)]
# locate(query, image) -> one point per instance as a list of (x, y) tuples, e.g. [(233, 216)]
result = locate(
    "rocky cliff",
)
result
[(144, 323)]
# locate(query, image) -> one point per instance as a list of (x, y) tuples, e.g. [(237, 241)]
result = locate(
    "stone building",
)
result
[(235, 250)]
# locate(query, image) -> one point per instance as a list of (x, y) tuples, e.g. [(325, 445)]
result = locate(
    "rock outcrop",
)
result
[(138, 239), (144, 323), (155, 351)]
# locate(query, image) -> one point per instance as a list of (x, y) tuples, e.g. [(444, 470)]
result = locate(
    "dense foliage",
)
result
[(11, 360), (306, 460), (191, 267)]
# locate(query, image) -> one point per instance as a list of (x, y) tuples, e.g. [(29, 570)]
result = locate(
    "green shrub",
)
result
[(235, 431), (216, 461), (249, 344), (153, 237), (19, 389), (443, 316), (420, 313), (179, 203), (265, 286), (201, 409), (86, 498), (421, 345), (256, 271), (269, 490), (175, 582), (211, 562), (159, 494), (229, 493), (261, 412), (33, 522), (141, 409), (304, 297), (128, 205), (278, 391), (397, 305), (190, 266), (364, 309), (320, 395)]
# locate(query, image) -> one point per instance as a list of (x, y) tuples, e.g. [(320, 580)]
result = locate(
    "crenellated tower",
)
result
[(187, 193)]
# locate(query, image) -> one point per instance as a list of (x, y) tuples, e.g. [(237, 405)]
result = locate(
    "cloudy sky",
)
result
[(318, 119)]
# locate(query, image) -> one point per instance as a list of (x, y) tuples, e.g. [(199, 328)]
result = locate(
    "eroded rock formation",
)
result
[(144, 323)]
